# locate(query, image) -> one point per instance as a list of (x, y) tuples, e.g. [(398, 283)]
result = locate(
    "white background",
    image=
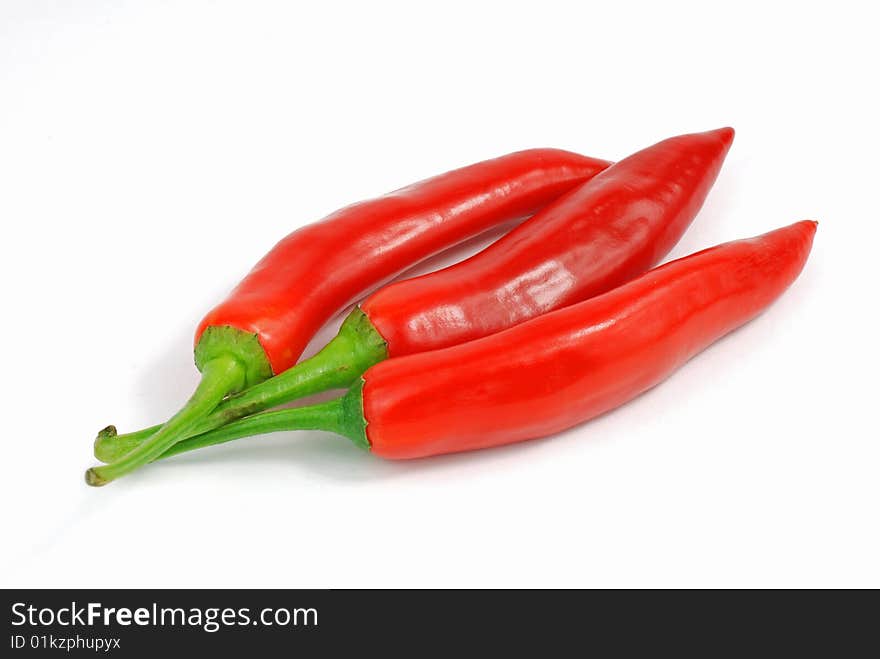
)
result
[(151, 152)]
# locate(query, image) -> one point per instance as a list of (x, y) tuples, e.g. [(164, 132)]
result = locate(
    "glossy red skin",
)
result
[(602, 234), (318, 270), (568, 366)]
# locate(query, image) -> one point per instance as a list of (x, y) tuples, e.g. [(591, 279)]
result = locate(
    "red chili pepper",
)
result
[(598, 236), (555, 371), (264, 324), (322, 268)]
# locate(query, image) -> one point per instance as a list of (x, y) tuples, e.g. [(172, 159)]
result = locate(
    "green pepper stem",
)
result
[(109, 446), (351, 352), (323, 416), (344, 416), (220, 376)]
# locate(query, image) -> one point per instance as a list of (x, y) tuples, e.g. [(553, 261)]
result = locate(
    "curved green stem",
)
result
[(323, 416), (343, 416), (220, 375), (110, 446), (351, 352)]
